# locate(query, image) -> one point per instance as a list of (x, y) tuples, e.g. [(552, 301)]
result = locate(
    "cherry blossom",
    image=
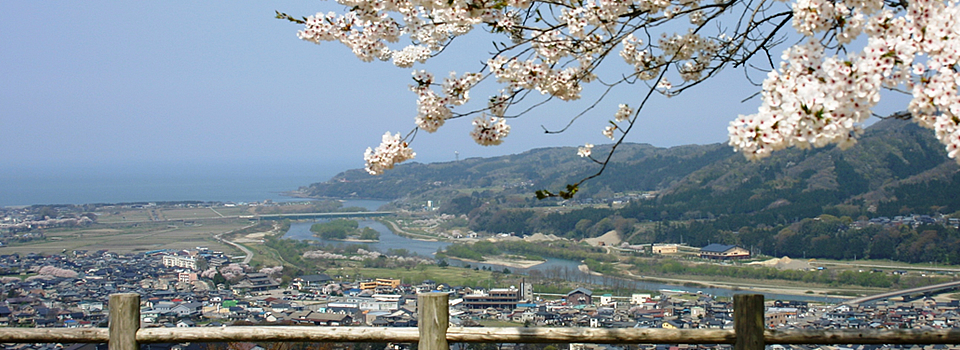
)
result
[(392, 150), (489, 131), (623, 113), (585, 150), (814, 100), (822, 91), (608, 131), (56, 272)]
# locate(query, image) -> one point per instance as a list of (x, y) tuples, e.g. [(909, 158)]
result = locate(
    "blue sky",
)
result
[(224, 82)]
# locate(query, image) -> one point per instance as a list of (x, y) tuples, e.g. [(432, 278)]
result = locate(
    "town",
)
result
[(72, 290)]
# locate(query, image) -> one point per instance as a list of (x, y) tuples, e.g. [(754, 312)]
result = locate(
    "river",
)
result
[(552, 268)]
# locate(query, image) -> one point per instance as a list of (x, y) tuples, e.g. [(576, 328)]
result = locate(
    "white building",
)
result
[(638, 299), (179, 261)]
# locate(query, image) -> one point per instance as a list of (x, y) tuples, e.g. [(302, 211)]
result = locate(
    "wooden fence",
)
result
[(433, 331)]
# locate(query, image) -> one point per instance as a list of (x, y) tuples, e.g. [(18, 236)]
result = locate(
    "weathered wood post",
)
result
[(434, 310), (748, 321), (124, 321)]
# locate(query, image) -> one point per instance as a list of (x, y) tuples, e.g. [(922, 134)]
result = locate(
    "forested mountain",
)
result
[(703, 194), (897, 167)]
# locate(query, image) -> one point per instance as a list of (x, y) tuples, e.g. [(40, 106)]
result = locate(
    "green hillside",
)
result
[(811, 203), (897, 167)]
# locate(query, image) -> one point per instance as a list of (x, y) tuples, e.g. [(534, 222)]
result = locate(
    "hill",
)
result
[(811, 203), (650, 168), (897, 167)]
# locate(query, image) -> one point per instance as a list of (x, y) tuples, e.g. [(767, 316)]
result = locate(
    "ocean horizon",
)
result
[(126, 183)]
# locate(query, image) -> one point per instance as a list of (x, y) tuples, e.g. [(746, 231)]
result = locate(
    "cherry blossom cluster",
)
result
[(320, 254), (814, 100), (370, 25), (47, 222), (272, 271), (693, 53), (498, 104), (364, 32), (392, 150), (936, 100), (489, 131), (57, 272), (624, 112), (551, 46), (687, 46), (409, 55), (846, 17), (580, 32), (564, 84), (434, 109), (234, 271), (646, 65), (585, 151)]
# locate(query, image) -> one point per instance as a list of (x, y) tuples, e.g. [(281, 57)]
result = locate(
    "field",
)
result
[(124, 215), (128, 215), (134, 237)]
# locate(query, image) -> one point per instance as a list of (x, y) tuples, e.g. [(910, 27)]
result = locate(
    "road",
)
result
[(930, 288), (158, 216), (893, 267), (331, 215), (246, 260)]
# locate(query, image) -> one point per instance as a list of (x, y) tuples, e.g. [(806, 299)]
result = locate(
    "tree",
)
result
[(369, 234), (219, 279), (813, 98)]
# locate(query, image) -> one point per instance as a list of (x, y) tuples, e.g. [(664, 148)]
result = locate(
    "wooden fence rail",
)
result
[(433, 332)]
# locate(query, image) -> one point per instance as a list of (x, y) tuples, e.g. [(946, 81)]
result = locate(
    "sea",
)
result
[(127, 183)]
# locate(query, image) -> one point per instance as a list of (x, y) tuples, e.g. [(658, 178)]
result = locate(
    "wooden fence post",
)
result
[(748, 321), (434, 310), (124, 321)]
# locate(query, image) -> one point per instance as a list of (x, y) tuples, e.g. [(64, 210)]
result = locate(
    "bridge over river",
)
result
[(906, 293), (299, 216)]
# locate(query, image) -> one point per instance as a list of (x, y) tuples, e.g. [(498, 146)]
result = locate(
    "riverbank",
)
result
[(352, 240), (551, 268), (517, 264), (753, 286), (760, 286), (401, 232)]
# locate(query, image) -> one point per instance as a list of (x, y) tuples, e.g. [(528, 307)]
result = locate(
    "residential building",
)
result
[(179, 261), (580, 296), (496, 298)]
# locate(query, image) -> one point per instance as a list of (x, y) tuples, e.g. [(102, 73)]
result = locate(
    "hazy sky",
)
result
[(206, 82)]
